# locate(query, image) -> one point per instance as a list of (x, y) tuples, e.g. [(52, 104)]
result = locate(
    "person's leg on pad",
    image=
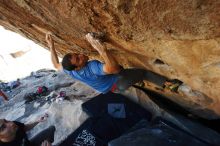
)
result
[(47, 134)]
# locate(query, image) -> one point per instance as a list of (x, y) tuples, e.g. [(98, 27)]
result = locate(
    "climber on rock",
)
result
[(102, 76)]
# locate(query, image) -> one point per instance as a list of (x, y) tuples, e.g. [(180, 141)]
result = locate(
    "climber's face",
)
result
[(8, 129), (79, 60)]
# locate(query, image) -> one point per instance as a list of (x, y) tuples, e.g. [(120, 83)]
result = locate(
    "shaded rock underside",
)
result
[(175, 38)]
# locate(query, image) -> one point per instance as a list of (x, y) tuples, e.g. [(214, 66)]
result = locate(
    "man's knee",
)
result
[(51, 129)]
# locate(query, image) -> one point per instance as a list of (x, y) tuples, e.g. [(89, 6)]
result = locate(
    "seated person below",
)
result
[(103, 77), (3, 95), (13, 133)]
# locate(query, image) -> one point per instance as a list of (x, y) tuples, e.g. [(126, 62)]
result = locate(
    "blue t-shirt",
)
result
[(93, 75)]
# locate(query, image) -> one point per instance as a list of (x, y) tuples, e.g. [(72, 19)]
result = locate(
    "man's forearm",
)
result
[(111, 65), (54, 57), (109, 59), (30, 126)]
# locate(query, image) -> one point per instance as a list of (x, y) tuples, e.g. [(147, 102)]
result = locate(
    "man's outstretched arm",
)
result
[(30, 126), (54, 57), (111, 66)]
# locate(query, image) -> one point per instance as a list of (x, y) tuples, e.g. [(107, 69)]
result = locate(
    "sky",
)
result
[(34, 59)]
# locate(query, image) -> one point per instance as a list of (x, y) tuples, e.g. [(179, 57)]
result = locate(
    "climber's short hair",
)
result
[(66, 62)]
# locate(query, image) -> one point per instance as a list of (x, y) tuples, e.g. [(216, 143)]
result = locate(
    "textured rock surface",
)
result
[(183, 34)]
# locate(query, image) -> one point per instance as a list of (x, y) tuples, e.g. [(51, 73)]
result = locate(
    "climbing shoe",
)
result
[(172, 85), (140, 84)]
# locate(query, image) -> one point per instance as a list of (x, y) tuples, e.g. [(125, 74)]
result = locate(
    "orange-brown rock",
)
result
[(182, 35)]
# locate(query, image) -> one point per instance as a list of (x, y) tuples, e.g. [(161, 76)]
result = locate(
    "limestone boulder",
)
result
[(175, 38)]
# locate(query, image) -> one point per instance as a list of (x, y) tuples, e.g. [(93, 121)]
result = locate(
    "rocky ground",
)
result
[(66, 115)]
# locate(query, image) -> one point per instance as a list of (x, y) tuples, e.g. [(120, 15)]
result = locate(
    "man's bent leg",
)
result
[(128, 77), (47, 134), (155, 78)]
